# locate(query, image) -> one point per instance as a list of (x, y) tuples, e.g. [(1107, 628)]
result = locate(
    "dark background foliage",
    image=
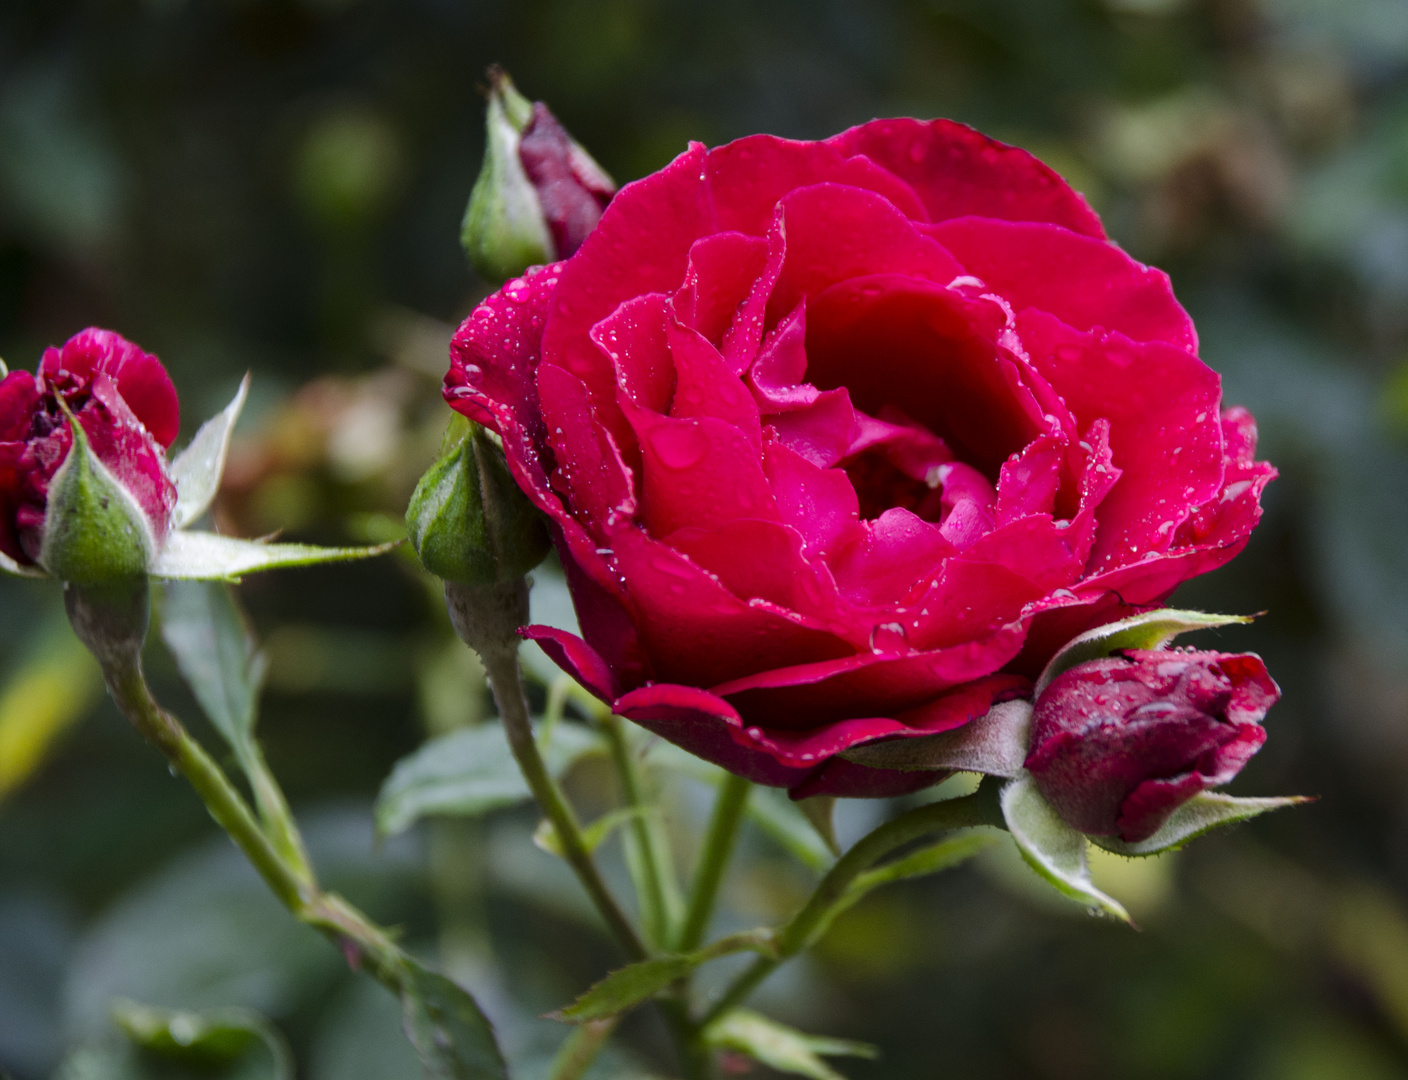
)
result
[(276, 185)]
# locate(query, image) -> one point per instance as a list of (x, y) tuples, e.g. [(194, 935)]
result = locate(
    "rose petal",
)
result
[(705, 386), (695, 631), (819, 503), (577, 658), (957, 171), (1084, 282)]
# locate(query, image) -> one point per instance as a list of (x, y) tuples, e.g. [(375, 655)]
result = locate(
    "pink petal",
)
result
[(762, 560), (721, 274), (1165, 434), (633, 338), (699, 472), (957, 171), (836, 233), (776, 375), (881, 561), (821, 432), (1084, 282), (748, 177), (819, 503), (697, 632), (577, 658), (705, 387), (809, 695), (590, 472), (894, 339)]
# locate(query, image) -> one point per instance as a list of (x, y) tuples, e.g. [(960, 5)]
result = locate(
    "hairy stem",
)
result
[(713, 859), (486, 619), (980, 808)]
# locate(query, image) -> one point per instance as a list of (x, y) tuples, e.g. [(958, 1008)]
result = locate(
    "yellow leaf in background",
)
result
[(41, 699)]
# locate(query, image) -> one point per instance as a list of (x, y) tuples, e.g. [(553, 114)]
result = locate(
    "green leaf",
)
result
[(1202, 813), (1151, 630), (198, 468), (780, 1047), (545, 835), (202, 556), (1052, 848), (94, 530), (206, 1040), (995, 743), (216, 652), (450, 1032), (469, 772), (627, 987)]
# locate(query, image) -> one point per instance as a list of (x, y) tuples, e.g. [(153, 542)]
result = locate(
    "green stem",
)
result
[(225, 803), (980, 808), (274, 812), (654, 902), (291, 882), (713, 859), (501, 666), (580, 1048)]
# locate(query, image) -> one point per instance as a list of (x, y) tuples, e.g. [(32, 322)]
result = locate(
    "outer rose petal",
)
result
[(1082, 281), (140, 377), (957, 171)]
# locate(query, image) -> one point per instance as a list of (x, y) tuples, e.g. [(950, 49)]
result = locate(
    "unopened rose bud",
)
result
[(85, 491), (539, 193), (1118, 744), (468, 520)]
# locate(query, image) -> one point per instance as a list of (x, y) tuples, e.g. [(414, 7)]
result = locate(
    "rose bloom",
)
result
[(841, 440), (1118, 744), (127, 406)]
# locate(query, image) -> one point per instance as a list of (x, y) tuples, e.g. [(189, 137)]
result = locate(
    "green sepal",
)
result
[(504, 231), (95, 533), (468, 520), (1052, 848), (203, 556), (198, 468), (1201, 814), (994, 744), (1150, 630)]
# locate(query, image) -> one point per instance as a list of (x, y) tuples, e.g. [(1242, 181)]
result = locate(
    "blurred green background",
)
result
[(276, 185)]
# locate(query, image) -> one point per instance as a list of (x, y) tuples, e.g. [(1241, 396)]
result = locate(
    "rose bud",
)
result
[(539, 193), (107, 510), (468, 520), (1118, 744)]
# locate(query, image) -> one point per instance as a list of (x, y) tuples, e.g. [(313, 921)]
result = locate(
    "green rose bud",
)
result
[(468, 520), (539, 193)]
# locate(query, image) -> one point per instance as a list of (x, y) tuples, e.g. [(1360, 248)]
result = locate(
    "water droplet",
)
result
[(680, 447), (889, 638)]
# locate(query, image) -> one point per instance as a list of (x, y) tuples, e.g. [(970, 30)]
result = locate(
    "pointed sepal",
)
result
[(504, 231), (1149, 630), (1052, 848), (1200, 814), (95, 532), (198, 468), (202, 556), (995, 744)]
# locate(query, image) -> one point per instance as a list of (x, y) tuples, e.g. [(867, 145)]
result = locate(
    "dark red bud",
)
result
[(572, 189), (1118, 744)]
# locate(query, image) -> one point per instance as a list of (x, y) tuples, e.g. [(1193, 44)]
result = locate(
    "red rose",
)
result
[(1117, 745), (841, 440), (125, 401)]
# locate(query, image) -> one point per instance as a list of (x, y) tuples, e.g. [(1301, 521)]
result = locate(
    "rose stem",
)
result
[(487, 618), (293, 885), (980, 808), (580, 1048), (652, 884), (713, 859)]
